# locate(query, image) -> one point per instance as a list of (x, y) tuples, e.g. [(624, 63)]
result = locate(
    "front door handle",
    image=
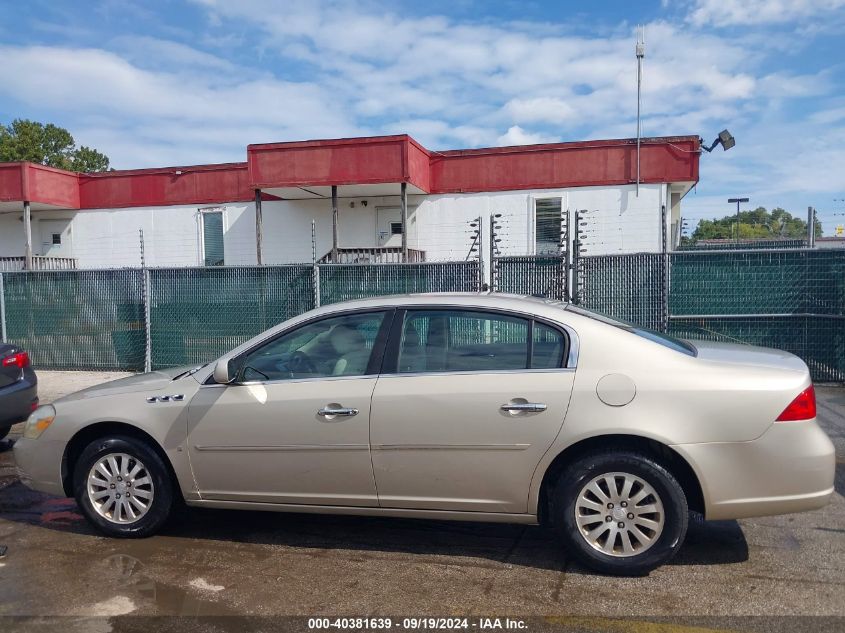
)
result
[(329, 411), (524, 407)]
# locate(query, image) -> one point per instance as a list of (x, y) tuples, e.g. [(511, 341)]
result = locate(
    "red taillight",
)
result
[(802, 408), (21, 359)]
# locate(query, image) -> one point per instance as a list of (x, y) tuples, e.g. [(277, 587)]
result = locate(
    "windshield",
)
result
[(656, 337)]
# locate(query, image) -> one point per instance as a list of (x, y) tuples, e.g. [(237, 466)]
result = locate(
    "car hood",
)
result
[(748, 355), (149, 381)]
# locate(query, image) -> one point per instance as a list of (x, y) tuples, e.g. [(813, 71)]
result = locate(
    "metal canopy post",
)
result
[(403, 203), (334, 224), (27, 228), (258, 227)]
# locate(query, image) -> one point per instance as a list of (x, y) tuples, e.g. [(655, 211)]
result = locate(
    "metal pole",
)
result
[(811, 227), (481, 285), (666, 281), (27, 227), (141, 240), (2, 310), (492, 246), (148, 343), (576, 255), (315, 272), (640, 50), (334, 224), (258, 227), (403, 203)]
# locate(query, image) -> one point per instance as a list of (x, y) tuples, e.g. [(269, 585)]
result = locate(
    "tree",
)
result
[(24, 140), (756, 224)]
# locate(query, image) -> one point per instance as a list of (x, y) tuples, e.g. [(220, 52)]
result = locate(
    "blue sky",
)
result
[(166, 82)]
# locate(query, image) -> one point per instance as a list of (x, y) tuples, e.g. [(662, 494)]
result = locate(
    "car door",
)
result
[(469, 403), (294, 427)]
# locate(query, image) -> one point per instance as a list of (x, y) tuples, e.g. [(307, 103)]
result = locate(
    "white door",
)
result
[(388, 226), (55, 238)]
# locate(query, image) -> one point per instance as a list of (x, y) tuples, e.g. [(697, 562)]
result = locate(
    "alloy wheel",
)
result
[(120, 488), (619, 514)]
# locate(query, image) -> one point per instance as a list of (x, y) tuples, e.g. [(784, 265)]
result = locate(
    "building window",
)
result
[(212, 237), (396, 228), (547, 219), (57, 238)]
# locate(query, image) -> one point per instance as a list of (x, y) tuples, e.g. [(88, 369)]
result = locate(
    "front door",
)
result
[(294, 428), (475, 401), (55, 238), (388, 226)]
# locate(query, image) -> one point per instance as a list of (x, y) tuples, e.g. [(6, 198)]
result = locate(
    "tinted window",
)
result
[(547, 350), (547, 226), (337, 346), (212, 236), (456, 340)]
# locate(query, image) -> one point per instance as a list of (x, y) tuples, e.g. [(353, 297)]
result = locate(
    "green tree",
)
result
[(757, 224), (48, 145)]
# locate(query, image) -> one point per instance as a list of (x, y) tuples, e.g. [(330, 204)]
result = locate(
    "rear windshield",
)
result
[(657, 337)]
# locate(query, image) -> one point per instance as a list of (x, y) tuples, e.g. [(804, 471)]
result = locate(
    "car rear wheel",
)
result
[(620, 512), (123, 487)]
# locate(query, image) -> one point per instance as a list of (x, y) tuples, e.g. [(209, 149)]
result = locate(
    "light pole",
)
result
[(738, 201)]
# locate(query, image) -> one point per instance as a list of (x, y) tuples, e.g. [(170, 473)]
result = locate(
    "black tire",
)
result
[(581, 472), (163, 498), (4, 431)]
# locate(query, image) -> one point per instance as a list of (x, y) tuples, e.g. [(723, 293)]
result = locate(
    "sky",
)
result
[(167, 82)]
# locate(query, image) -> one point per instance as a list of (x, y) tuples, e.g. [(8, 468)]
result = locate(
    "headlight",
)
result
[(38, 421)]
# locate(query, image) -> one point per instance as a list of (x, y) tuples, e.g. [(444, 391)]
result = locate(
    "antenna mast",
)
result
[(640, 50)]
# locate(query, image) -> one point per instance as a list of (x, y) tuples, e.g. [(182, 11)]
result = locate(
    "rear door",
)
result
[(469, 403)]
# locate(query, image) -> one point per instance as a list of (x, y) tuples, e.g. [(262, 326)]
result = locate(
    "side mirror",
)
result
[(223, 371)]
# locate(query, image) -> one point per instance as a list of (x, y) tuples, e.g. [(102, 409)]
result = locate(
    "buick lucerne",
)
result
[(459, 407)]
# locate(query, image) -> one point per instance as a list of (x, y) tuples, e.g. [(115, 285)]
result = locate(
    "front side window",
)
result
[(336, 346), (457, 340)]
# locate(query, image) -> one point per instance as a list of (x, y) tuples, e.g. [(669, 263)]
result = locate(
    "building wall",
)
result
[(616, 220)]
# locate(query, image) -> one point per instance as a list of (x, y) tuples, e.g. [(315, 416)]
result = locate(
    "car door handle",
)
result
[(347, 411), (528, 407)]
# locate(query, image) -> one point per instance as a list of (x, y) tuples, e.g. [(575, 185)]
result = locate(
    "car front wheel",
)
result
[(123, 487), (620, 512)]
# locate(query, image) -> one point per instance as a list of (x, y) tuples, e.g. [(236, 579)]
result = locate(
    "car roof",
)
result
[(469, 299)]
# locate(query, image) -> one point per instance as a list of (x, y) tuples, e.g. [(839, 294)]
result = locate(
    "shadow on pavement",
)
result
[(707, 543)]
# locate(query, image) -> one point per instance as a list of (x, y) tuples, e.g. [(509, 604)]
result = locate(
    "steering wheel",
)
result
[(299, 363)]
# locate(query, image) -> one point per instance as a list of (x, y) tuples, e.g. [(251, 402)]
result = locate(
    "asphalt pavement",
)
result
[(755, 574)]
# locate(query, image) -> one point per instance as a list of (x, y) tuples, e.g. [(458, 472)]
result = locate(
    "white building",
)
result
[(261, 211)]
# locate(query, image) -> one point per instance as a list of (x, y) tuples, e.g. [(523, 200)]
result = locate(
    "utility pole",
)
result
[(640, 50), (811, 227), (738, 201)]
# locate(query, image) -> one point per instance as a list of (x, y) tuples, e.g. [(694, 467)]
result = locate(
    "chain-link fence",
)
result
[(123, 319), (627, 287), (544, 276), (787, 299), (76, 319), (341, 282), (162, 317)]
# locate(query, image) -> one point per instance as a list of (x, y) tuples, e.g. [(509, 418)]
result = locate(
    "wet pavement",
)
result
[(227, 563)]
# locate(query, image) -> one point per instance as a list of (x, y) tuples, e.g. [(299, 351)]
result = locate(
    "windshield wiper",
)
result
[(189, 372)]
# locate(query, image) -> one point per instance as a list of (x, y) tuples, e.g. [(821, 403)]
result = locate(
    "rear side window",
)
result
[(465, 340), (547, 350)]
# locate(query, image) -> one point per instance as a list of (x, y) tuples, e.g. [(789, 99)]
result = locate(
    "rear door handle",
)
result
[(528, 407), (332, 411)]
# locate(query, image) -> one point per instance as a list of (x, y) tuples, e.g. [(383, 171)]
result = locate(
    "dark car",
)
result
[(18, 387)]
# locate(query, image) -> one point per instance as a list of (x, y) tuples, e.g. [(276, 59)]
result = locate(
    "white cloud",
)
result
[(517, 136), (747, 12)]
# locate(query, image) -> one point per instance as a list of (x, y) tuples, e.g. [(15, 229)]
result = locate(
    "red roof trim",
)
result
[(370, 160)]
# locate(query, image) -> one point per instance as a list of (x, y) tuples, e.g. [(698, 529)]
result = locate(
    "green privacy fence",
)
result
[(77, 319), (787, 299), (123, 319), (128, 319)]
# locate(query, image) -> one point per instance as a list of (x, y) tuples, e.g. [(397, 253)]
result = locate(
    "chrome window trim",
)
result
[(476, 372), (288, 381)]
